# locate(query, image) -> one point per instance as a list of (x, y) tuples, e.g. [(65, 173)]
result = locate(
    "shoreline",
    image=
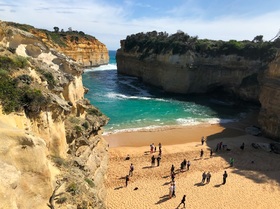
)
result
[(253, 181), (172, 135)]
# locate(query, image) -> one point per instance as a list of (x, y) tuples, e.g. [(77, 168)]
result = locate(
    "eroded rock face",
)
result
[(55, 147), (269, 118), (193, 73), (87, 52)]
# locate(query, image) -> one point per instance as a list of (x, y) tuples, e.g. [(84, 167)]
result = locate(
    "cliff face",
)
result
[(84, 49), (192, 73), (50, 147), (270, 100)]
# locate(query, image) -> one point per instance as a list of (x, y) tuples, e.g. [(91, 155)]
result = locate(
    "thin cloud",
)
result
[(110, 23)]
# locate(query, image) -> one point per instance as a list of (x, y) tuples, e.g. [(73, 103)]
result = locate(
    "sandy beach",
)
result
[(252, 182)]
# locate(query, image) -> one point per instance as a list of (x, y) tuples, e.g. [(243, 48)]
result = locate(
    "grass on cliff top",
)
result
[(60, 37), (179, 43)]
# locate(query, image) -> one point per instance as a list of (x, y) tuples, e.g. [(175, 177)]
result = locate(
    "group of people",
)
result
[(206, 177), (185, 165)]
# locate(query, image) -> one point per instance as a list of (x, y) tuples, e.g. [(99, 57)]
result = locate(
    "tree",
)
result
[(56, 29), (258, 39)]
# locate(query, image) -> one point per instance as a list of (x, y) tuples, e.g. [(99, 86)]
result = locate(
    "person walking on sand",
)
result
[(182, 201), (153, 160), (126, 180), (201, 153), (131, 169), (158, 160), (225, 177), (208, 177)]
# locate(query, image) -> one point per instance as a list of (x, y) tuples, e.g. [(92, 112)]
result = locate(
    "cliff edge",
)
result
[(52, 154)]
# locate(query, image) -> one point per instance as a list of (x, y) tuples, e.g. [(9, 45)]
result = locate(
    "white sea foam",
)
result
[(102, 68), (122, 96), (180, 122)]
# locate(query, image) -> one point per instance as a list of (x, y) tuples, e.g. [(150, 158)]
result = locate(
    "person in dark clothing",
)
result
[(126, 180), (201, 153), (183, 201), (242, 146), (158, 160), (211, 152), (153, 159), (203, 177), (172, 169), (225, 177), (208, 177)]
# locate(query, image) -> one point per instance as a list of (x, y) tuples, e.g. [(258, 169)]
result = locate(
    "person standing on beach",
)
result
[(170, 191), (174, 189), (126, 180), (208, 177), (158, 160), (202, 140), (183, 201), (153, 160), (242, 146), (172, 169), (211, 152), (203, 177), (131, 169), (225, 177), (201, 153), (188, 165)]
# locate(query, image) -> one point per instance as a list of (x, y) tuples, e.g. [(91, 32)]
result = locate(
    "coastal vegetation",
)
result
[(179, 43), (16, 93), (60, 37)]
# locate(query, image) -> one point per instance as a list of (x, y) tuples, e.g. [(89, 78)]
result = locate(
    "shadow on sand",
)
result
[(162, 199)]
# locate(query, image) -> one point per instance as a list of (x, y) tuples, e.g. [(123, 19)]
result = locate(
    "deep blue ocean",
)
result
[(132, 105)]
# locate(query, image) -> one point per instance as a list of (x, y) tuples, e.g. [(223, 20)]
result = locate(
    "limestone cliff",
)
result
[(52, 153), (270, 99), (86, 50), (182, 64)]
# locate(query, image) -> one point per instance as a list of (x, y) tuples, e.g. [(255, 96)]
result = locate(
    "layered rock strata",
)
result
[(51, 155)]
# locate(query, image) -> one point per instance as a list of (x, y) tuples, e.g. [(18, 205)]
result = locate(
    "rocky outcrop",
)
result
[(84, 49), (52, 146), (269, 118)]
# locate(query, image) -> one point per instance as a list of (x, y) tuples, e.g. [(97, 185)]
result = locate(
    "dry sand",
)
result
[(249, 185)]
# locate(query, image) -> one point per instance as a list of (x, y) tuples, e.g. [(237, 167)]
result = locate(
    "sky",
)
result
[(113, 20)]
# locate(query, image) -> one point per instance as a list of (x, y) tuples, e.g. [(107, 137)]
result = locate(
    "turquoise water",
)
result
[(133, 105)]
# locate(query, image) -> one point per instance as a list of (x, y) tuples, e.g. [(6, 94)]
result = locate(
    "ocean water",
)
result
[(132, 105)]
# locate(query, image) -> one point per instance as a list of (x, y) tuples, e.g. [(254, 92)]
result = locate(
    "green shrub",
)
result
[(94, 112), (90, 182), (20, 61), (72, 188), (85, 125)]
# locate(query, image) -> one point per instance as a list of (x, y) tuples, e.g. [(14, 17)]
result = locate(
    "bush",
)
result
[(94, 112)]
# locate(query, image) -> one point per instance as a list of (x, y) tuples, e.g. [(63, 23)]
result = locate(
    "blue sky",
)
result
[(112, 20)]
